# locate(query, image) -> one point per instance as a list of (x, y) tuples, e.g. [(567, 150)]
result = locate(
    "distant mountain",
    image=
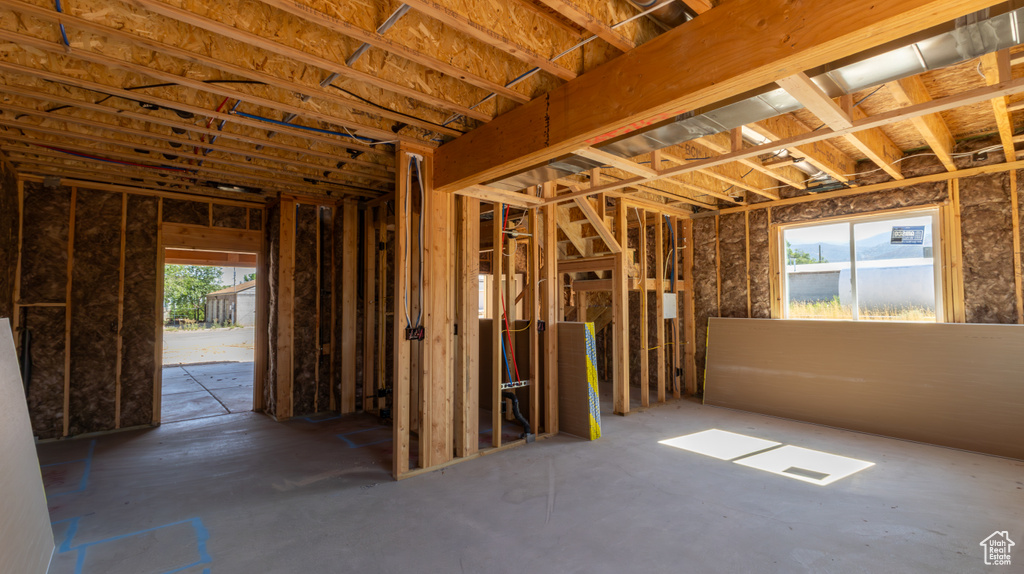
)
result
[(874, 248)]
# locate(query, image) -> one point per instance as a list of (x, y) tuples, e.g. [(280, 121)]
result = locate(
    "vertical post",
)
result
[(550, 295), (581, 306), (686, 340), (369, 310), (659, 285), (402, 350), (350, 234), (285, 306), (262, 317), (333, 344), (382, 296), (620, 318), (645, 363), (497, 359), (467, 366), (158, 312), (532, 274), (746, 229), (1017, 283), (435, 429)]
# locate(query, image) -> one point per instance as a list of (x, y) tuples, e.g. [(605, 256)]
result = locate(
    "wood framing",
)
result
[(620, 317), (604, 104), (349, 258)]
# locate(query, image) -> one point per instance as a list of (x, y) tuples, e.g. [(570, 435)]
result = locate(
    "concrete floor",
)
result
[(242, 494), (205, 390)]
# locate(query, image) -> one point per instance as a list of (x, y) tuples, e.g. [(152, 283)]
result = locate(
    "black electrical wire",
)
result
[(380, 107), (147, 86)]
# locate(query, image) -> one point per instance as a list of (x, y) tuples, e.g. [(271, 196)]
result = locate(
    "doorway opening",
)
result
[(209, 334)]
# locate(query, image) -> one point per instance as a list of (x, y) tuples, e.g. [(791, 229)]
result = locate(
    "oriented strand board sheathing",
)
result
[(138, 362), (760, 270), (46, 386), (44, 244), (948, 384), (304, 349), (986, 228), (184, 211), (732, 239), (705, 287), (273, 246), (94, 311), (232, 216)]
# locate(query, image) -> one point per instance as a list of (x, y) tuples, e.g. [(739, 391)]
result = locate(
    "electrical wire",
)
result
[(378, 106), (116, 161), (63, 32)]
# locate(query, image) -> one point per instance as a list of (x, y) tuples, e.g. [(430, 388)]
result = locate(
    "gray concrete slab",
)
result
[(240, 494), (187, 406), (225, 385)]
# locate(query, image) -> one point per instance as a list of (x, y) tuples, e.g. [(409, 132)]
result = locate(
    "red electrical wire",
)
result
[(97, 158), (209, 122), (508, 331)]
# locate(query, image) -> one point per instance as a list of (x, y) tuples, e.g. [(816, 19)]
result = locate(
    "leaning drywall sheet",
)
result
[(956, 385), (26, 540)]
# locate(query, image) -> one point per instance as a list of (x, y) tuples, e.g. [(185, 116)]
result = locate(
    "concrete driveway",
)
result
[(208, 346)]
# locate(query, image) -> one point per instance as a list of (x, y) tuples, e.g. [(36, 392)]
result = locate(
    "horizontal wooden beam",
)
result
[(590, 23), (637, 89), (214, 258), (494, 194), (604, 263), (967, 98), (210, 238)]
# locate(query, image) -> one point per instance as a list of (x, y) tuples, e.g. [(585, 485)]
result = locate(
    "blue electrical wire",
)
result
[(63, 32), (302, 127)]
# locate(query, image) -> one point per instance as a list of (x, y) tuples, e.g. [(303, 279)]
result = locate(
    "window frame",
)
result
[(934, 211)]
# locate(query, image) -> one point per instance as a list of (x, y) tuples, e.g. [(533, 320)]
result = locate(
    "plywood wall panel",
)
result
[(46, 383), (231, 216), (94, 310), (732, 240), (986, 228), (44, 251), (956, 385), (138, 336), (305, 346)]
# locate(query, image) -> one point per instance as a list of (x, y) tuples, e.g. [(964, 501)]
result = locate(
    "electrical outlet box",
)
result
[(669, 304)]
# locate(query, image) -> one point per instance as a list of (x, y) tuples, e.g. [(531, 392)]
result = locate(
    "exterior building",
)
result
[(235, 304)]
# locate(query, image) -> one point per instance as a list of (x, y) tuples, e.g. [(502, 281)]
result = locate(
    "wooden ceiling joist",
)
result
[(136, 96), (787, 176), (590, 23), (71, 21), (617, 98), (996, 67), (359, 129), (178, 124), (269, 45), (968, 98), (821, 154), (912, 91), (457, 21), (874, 144), (195, 145), (374, 39)]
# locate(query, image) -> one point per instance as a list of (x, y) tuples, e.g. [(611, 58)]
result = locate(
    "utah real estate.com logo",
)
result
[(997, 548)]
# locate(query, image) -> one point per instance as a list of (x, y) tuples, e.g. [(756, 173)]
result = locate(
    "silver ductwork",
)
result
[(668, 16), (971, 37)]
